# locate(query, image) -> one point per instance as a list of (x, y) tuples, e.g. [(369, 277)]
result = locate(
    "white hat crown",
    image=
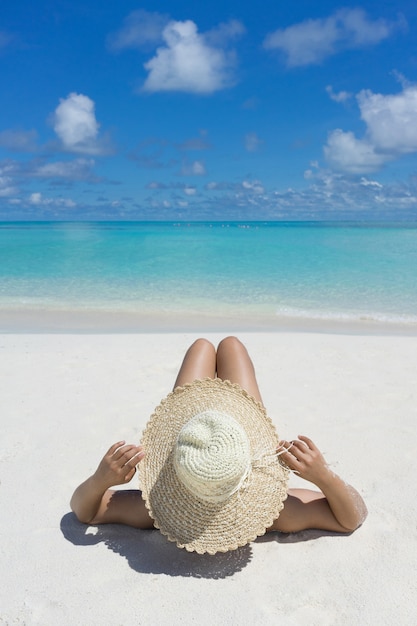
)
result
[(212, 456)]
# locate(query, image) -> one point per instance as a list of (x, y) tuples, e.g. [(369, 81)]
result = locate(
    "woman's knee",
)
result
[(199, 362), (235, 364), (231, 343), (202, 345)]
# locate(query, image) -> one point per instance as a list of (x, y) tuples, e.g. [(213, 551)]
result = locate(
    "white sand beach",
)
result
[(66, 397)]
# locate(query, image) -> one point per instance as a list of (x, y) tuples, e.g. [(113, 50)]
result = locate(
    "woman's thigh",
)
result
[(235, 364), (199, 362)]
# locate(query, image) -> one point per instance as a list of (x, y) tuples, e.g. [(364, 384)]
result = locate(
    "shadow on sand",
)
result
[(148, 552)]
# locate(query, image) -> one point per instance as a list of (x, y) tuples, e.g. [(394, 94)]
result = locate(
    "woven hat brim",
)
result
[(190, 522)]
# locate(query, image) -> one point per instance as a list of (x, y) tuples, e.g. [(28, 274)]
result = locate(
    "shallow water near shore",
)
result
[(255, 272)]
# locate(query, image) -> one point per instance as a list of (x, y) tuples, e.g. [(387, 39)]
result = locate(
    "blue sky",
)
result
[(185, 110)]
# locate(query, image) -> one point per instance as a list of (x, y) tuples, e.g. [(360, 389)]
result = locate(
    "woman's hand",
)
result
[(304, 458), (118, 466), (90, 500), (342, 509)]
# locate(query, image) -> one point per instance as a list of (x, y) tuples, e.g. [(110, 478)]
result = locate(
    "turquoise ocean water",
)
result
[(296, 270)]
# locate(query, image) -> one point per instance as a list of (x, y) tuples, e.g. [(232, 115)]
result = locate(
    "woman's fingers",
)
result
[(294, 453), (114, 447), (300, 450), (304, 458), (293, 447), (288, 451), (131, 465), (136, 457), (125, 451), (130, 474), (122, 451), (308, 442)]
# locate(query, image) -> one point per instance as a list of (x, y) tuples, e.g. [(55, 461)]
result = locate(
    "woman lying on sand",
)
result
[(213, 472)]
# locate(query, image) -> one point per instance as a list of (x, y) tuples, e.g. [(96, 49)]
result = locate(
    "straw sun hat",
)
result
[(210, 478)]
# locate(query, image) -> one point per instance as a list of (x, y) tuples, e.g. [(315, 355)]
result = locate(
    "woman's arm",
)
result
[(93, 502), (339, 507)]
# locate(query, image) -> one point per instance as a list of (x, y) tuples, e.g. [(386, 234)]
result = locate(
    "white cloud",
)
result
[(340, 96), (188, 190), (248, 187), (347, 153), (140, 29), (212, 186), (253, 186), (79, 169), (37, 199), (196, 168), (76, 125), (252, 142), (189, 62), (311, 41), (327, 195), (14, 173), (391, 120), (305, 43), (337, 193), (365, 182), (225, 31), (391, 131), (6, 186)]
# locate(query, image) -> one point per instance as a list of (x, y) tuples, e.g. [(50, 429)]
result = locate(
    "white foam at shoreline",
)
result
[(84, 319), (348, 316)]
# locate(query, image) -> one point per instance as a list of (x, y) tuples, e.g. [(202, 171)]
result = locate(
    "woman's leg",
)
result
[(199, 362), (234, 364)]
